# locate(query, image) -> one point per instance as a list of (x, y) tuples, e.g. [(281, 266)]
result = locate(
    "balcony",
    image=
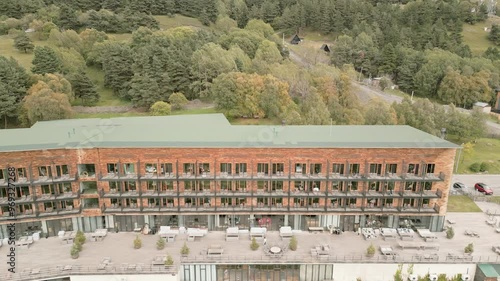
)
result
[(18, 215), (371, 207), (336, 193), (130, 193), (42, 179), (382, 177), (3, 183), (235, 192), (21, 181), (115, 193), (262, 175), (68, 195), (46, 197), (339, 176), (352, 208), (155, 193), (118, 176), (65, 178), (69, 210), (279, 175), (375, 193), (24, 199), (423, 177), (241, 175), (411, 193), (160, 176), (432, 193), (169, 207), (132, 207)]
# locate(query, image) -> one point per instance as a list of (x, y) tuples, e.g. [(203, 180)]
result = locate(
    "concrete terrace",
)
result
[(349, 247)]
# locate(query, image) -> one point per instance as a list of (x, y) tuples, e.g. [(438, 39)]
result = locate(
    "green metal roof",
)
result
[(490, 270), (207, 130)]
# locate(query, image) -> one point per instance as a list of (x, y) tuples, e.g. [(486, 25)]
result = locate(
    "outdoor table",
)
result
[(275, 250)]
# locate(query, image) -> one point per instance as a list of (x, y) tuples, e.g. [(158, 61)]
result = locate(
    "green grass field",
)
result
[(106, 96), (485, 150), (167, 22), (462, 203), (476, 37)]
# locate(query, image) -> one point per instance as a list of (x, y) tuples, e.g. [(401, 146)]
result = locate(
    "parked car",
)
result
[(459, 185), (482, 187)]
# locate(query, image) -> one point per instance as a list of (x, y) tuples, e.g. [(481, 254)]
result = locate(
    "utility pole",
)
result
[(411, 99)]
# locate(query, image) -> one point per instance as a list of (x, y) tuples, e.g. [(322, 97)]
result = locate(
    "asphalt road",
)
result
[(492, 181)]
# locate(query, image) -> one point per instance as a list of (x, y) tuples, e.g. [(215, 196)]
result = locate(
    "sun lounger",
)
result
[(286, 232)]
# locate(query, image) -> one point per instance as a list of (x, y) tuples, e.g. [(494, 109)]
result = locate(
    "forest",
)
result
[(237, 59)]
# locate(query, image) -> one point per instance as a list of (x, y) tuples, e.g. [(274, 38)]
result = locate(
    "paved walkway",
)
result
[(50, 252)]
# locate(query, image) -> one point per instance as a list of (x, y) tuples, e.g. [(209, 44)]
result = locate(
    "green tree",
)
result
[(268, 52), (55, 82), (258, 26), (84, 88), (389, 60), (342, 50), (42, 104), (23, 43), (160, 244), (46, 60), (14, 82), (379, 112), (178, 101), (144, 91), (137, 242), (314, 110), (160, 108)]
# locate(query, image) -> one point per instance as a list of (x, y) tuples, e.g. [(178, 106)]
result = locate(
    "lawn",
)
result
[(476, 37), (167, 22), (462, 203), (485, 150), (249, 121), (106, 96), (109, 114), (7, 50)]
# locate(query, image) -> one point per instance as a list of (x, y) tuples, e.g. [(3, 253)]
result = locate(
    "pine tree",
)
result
[(14, 81), (67, 18), (144, 91), (494, 35), (46, 61), (83, 88), (23, 43)]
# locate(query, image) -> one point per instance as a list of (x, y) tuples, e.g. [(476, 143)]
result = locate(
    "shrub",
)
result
[(469, 249), (475, 167), (160, 244), (137, 242), (177, 101), (160, 108), (75, 252), (254, 245), (293, 244), (78, 245), (450, 233), (169, 260), (370, 251), (185, 250), (484, 167), (80, 237)]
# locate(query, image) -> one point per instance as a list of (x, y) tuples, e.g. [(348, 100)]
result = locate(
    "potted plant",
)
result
[(80, 237), (74, 252), (160, 244), (137, 242), (169, 261), (78, 245), (450, 233), (185, 250), (293, 243), (370, 251), (469, 249), (254, 245)]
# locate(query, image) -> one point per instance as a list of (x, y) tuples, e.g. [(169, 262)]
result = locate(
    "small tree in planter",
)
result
[(74, 252), (185, 250), (254, 245), (78, 246), (160, 244), (80, 237), (293, 243), (370, 251), (450, 233), (137, 242), (469, 249), (169, 261)]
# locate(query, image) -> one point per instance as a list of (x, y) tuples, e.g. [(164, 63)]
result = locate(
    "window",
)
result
[(45, 171), (240, 185), (338, 168), (353, 185), (315, 169), (391, 168), (86, 170), (62, 170), (189, 185), (375, 169), (3, 174), (374, 186), (47, 189), (241, 168), (262, 185), (112, 168), (129, 168), (300, 168), (427, 186), (188, 168), (225, 185), (129, 186), (430, 168), (64, 188), (150, 168), (226, 168), (413, 169), (204, 185), (88, 187), (166, 186), (278, 168), (166, 168), (314, 186), (226, 201), (277, 186), (263, 168), (114, 186), (411, 186), (299, 185), (337, 185), (21, 173), (203, 168), (151, 185), (353, 169)]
